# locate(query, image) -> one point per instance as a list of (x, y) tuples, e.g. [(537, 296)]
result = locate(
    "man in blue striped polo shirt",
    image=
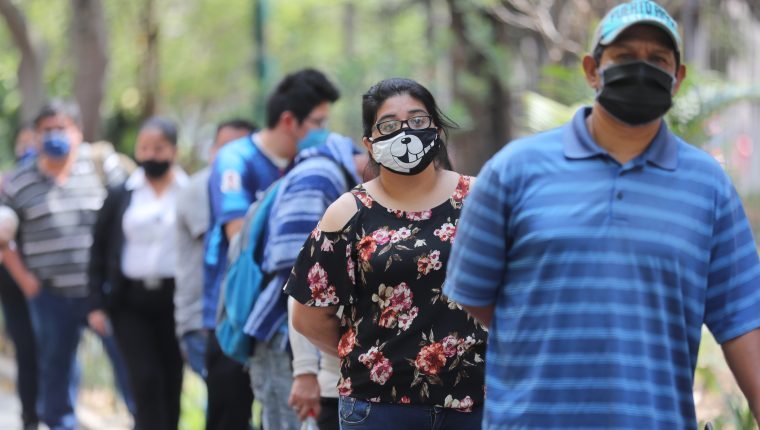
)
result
[(596, 252)]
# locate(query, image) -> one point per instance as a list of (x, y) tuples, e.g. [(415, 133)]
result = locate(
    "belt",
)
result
[(152, 283)]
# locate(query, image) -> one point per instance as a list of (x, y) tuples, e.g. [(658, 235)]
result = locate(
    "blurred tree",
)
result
[(148, 80), (89, 43), (30, 66), (479, 84)]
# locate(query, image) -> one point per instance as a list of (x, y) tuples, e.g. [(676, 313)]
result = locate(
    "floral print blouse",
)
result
[(401, 341)]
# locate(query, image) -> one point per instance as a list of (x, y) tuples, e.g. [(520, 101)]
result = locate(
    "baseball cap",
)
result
[(634, 12)]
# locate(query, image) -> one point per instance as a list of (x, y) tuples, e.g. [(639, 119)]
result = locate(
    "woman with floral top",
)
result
[(410, 358)]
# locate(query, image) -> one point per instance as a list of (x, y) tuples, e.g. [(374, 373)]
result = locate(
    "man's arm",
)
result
[(233, 227), (25, 279), (743, 355), (481, 313), (229, 192), (305, 392), (478, 256)]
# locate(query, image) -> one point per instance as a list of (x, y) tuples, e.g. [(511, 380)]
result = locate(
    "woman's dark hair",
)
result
[(385, 89), (164, 125)]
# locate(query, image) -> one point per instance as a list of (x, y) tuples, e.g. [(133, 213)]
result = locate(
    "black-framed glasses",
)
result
[(418, 122)]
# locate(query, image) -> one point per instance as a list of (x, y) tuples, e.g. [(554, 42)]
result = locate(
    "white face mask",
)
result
[(406, 151)]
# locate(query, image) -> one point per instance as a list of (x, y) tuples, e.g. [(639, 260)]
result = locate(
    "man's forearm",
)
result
[(15, 266), (742, 355)]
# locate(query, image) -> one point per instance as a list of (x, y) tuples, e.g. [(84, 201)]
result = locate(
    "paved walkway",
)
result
[(10, 407)]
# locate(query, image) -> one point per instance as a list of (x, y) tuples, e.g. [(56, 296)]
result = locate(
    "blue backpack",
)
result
[(243, 279)]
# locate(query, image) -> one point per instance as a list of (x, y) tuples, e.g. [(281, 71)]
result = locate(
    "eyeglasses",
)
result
[(393, 125), (317, 122)]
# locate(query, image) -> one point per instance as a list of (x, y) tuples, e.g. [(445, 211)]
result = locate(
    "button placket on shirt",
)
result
[(619, 194)]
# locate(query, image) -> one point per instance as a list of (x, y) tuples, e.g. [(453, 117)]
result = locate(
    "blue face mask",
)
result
[(314, 137), (56, 144)]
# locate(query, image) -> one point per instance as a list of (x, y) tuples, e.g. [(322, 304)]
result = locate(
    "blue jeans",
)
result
[(58, 322), (193, 344), (271, 379), (358, 414)]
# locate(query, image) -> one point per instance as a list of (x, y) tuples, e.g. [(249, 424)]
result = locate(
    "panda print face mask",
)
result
[(406, 151)]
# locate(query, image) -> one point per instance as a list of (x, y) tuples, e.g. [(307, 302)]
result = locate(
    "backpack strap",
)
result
[(347, 176)]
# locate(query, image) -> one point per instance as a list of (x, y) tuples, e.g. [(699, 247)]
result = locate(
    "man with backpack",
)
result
[(325, 168), (242, 170)]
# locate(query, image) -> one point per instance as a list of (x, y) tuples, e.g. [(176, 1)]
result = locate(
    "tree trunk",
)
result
[(488, 104), (149, 67), (261, 59), (31, 66), (349, 29), (89, 43)]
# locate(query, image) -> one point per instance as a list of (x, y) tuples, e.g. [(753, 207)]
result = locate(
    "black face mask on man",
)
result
[(636, 93), (406, 151), (155, 169)]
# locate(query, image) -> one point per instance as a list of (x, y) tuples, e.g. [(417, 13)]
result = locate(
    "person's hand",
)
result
[(29, 285), (304, 395), (98, 321)]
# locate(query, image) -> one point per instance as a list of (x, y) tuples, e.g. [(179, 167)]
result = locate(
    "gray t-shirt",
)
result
[(56, 220), (192, 224)]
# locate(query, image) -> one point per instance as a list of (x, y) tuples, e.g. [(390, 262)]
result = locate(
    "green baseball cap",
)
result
[(634, 12)]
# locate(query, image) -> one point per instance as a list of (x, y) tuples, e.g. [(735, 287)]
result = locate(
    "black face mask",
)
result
[(155, 169), (636, 93)]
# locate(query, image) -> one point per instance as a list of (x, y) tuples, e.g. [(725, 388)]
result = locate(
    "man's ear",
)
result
[(288, 120), (591, 71), (680, 76)]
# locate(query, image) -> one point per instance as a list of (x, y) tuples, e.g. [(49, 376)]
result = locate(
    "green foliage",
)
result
[(563, 90), (10, 100), (543, 113), (193, 403), (718, 398), (701, 97), (388, 39), (566, 85)]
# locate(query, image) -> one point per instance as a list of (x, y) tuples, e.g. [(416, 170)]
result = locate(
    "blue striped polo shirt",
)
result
[(602, 275)]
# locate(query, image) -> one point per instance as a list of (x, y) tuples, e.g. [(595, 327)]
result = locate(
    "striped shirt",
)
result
[(602, 276), (56, 221), (306, 191)]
